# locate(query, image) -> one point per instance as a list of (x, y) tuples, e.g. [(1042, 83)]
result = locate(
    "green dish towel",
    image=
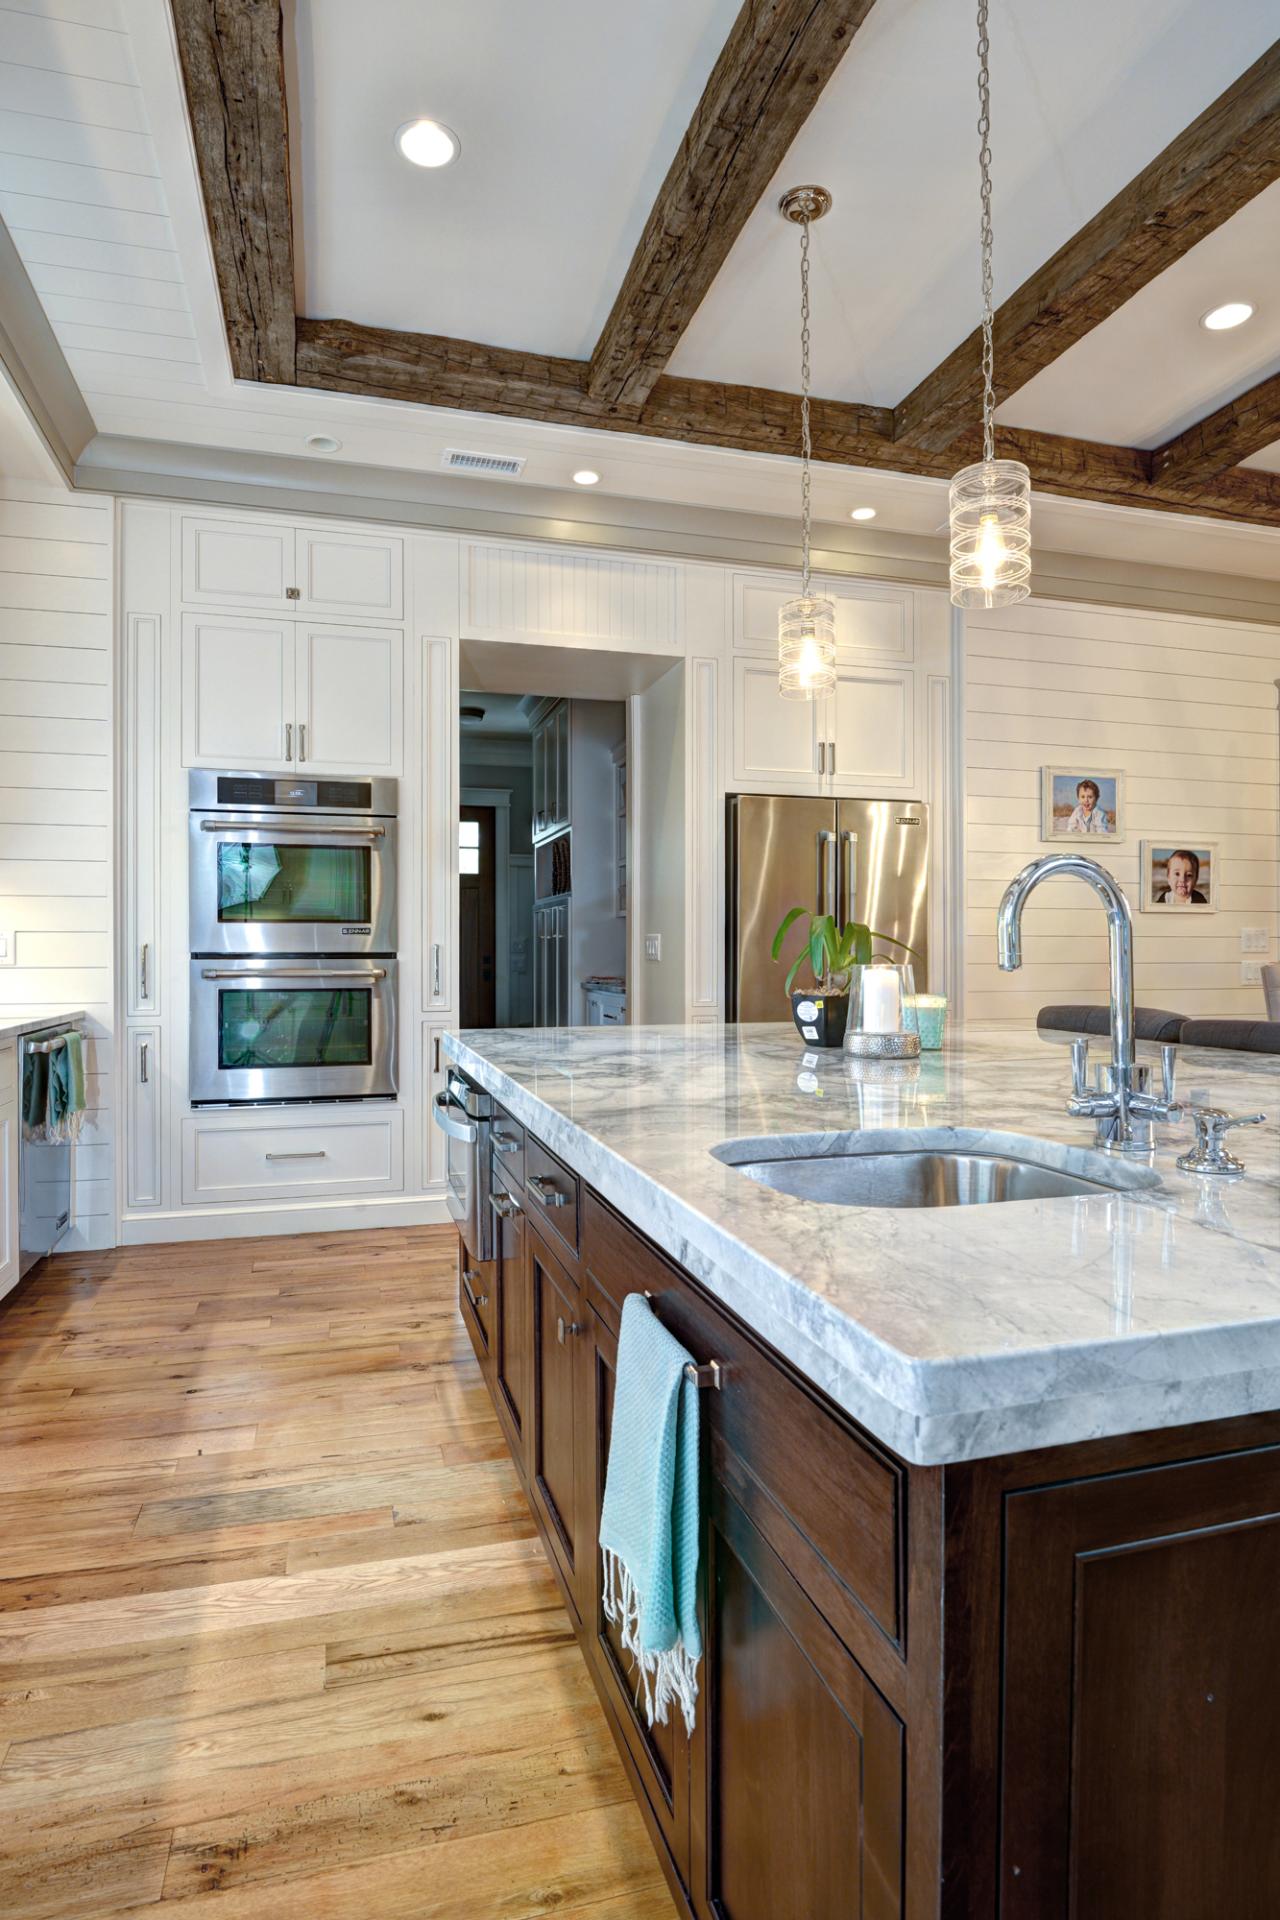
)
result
[(649, 1523), (53, 1092)]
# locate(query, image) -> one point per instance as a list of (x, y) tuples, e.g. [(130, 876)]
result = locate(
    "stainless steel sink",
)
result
[(928, 1167)]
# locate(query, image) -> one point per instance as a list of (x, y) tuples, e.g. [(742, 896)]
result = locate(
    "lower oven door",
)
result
[(265, 1030)]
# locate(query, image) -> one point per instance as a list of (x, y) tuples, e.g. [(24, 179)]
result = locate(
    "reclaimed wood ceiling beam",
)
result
[(341, 356), (1217, 165), (1214, 445), (232, 54), (770, 72)]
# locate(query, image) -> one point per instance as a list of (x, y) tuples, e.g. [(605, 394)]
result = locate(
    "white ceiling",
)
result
[(568, 116)]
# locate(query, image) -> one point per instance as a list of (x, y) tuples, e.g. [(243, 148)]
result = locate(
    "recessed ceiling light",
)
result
[(428, 143), (863, 513), (1233, 314), (585, 477), (323, 443)]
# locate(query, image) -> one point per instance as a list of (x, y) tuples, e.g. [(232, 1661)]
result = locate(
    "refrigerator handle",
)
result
[(848, 876), (827, 902)]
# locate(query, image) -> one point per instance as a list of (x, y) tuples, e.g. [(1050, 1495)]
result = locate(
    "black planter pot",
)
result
[(820, 1018)]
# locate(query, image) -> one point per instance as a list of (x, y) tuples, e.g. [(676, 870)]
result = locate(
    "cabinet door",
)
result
[(237, 563), (773, 739), (142, 812), (237, 693), (477, 1292), (562, 724), (350, 575), (798, 1773), (512, 1330), (9, 1274), (143, 1179), (556, 1468), (870, 726), (661, 1754), (350, 696)]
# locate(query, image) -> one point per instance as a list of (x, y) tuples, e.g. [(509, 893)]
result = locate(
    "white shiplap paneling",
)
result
[(1186, 710), (55, 792)]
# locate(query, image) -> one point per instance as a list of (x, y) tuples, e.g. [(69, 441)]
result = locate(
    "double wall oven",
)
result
[(293, 938)]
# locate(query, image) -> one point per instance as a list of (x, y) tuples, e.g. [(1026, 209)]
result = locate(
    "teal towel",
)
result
[(53, 1092), (649, 1524)]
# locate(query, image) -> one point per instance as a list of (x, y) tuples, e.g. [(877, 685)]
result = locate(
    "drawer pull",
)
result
[(506, 1143), (318, 1154), (566, 1329), (477, 1300), (505, 1207), (712, 1375), (544, 1189)]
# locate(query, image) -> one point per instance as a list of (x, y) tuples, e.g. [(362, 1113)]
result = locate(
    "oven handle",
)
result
[(318, 974), (465, 1130), (275, 829)]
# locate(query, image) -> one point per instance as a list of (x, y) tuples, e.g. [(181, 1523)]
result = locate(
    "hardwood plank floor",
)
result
[(276, 1632)]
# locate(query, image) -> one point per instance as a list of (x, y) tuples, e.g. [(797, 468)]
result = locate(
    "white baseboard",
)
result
[(239, 1223)]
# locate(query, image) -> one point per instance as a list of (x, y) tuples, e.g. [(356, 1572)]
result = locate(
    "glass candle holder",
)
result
[(928, 1012), (879, 999)]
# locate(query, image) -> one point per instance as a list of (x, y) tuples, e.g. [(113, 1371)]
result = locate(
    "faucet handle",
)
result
[(1080, 1067), (1209, 1155), (1168, 1072)]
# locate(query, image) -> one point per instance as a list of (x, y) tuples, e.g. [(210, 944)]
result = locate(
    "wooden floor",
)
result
[(276, 1635)]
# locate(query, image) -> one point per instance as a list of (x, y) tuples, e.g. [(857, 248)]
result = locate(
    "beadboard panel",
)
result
[(1186, 709), (56, 809), (520, 593)]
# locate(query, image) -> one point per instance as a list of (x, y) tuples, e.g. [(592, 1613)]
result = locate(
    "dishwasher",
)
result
[(44, 1166)]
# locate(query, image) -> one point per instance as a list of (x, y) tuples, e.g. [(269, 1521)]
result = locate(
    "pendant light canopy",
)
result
[(990, 501), (807, 624)]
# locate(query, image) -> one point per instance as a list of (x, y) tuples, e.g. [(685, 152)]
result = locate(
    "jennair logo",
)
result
[(357, 929)]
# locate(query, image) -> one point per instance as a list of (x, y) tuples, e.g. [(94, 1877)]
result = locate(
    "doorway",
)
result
[(477, 917)]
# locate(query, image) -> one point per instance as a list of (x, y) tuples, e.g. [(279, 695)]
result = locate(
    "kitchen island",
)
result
[(1041, 1436)]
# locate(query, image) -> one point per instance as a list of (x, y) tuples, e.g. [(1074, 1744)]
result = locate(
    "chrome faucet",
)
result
[(1125, 1104)]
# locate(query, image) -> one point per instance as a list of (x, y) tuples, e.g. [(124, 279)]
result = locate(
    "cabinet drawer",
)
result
[(552, 1191), (262, 1160), (477, 1292), (508, 1140), (829, 1502)]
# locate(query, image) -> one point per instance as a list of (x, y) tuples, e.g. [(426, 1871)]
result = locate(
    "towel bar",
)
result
[(47, 1046), (712, 1375)]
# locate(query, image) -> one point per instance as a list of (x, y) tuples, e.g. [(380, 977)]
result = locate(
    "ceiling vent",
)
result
[(456, 461)]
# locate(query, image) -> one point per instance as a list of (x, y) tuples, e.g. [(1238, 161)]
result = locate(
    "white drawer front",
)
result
[(9, 1068), (227, 1160)]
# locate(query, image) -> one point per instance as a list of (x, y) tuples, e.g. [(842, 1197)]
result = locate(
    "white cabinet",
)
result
[(142, 812), (143, 1176), (308, 1154), (774, 740), (237, 692), (870, 618), (859, 738), (552, 794), (552, 947), (9, 1273), (606, 1007), (269, 565), (276, 695), (870, 728)]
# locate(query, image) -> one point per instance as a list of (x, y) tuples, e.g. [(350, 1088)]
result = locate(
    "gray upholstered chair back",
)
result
[(1244, 1036), (1151, 1023)]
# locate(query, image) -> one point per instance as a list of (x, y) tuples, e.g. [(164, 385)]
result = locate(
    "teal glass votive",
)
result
[(929, 1018)]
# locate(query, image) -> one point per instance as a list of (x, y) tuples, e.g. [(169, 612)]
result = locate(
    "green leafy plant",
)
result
[(832, 951)]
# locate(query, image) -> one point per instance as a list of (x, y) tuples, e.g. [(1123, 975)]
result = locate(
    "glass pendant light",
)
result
[(807, 624), (991, 500)]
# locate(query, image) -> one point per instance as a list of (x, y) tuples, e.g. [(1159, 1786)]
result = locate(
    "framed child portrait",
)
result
[(1080, 803), (1179, 875)]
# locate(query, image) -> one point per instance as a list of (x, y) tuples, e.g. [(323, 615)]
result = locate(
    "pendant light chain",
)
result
[(988, 282), (806, 440)]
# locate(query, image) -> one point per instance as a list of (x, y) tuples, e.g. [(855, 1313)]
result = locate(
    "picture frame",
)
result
[(1196, 875), (1063, 806)]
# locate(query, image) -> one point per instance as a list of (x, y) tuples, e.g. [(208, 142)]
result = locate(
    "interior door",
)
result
[(238, 692), (477, 917), (349, 698)]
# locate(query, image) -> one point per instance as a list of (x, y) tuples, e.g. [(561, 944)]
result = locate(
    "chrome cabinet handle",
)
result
[(302, 742), (288, 739), (506, 1143), (822, 756), (142, 981), (436, 969), (465, 1131), (544, 1189), (505, 1207), (477, 1300), (566, 1329), (318, 1154), (144, 1047), (831, 756)]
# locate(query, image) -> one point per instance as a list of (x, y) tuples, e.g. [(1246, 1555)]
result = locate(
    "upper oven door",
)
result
[(266, 1030), (268, 883)]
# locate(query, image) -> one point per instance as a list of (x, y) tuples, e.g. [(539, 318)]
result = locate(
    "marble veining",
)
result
[(952, 1333)]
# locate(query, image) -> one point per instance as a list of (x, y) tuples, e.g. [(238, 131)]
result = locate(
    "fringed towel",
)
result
[(53, 1092), (649, 1521)]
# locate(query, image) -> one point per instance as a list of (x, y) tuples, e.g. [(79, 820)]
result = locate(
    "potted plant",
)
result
[(821, 1013)]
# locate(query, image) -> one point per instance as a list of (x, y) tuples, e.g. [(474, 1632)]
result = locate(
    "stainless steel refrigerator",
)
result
[(862, 860)]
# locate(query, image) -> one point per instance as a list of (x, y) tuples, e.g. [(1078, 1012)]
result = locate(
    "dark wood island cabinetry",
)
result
[(1044, 1686)]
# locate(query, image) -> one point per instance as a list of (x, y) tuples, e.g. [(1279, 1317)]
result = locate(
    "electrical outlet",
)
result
[(653, 946), (8, 947), (1255, 940), (1251, 973)]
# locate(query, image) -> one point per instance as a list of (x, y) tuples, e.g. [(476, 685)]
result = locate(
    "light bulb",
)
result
[(991, 552), (810, 666)]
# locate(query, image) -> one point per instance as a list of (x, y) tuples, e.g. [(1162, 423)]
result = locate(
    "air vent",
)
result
[(456, 461)]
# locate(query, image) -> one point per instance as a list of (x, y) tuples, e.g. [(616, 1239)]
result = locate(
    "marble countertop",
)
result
[(15, 1021), (951, 1333)]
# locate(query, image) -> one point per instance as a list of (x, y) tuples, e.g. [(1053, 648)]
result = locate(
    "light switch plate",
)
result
[(1251, 973), (653, 946), (1255, 940)]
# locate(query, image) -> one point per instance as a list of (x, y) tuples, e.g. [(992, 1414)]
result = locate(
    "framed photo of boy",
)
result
[(1077, 803), (1177, 874)]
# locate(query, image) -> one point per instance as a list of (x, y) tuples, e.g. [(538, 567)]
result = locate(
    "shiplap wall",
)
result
[(1186, 709), (56, 792)]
